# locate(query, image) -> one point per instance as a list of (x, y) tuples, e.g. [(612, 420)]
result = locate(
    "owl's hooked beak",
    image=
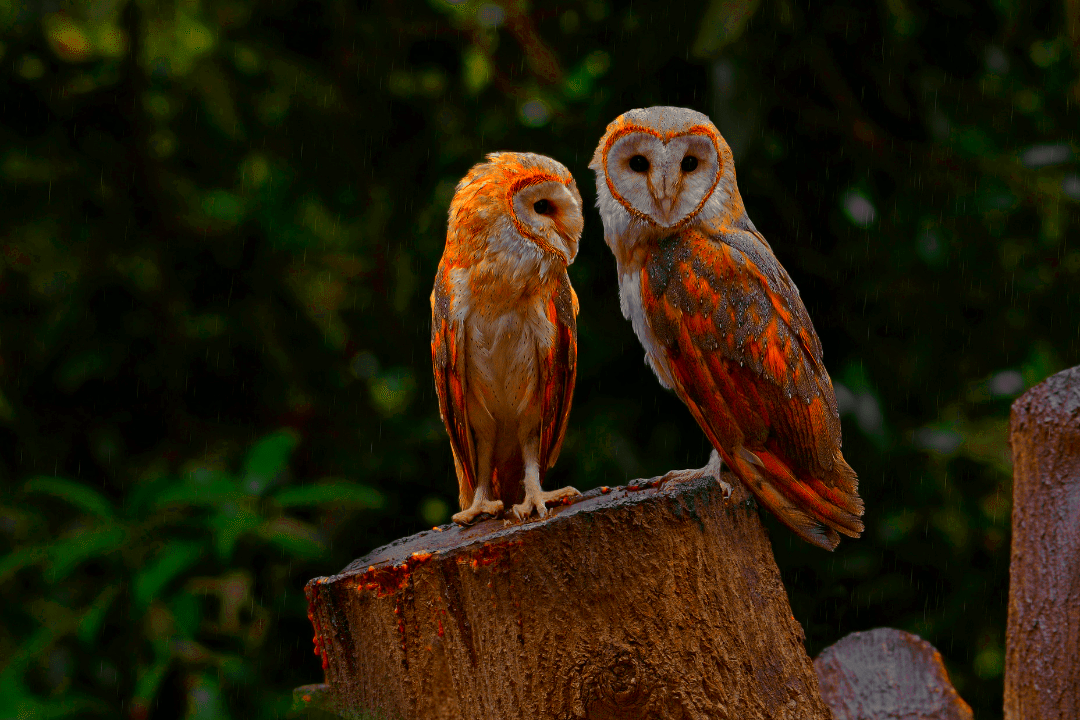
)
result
[(666, 205), (669, 191)]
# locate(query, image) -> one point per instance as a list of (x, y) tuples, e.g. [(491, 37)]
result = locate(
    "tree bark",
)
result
[(887, 673), (637, 603), (1042, 674)]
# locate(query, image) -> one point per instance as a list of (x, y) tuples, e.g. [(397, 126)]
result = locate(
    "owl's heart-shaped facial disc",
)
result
[(663, 178)]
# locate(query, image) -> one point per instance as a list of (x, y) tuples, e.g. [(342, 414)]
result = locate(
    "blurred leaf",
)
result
[(33, 647), (175, 558), (66, 553), (149, 494), (723, 23), (217, 97), (393, 390), (147, 685), (94, 616), (73, 493), (213, 493), (185, 609), (20, 558), (173, 45), (14, 705), (580, 80), (294, 537), (67, 37), (329, 494), (434, 510), (975, 142), (267, 459), (230, 525), (478, 72), (223, 206), (204, 699)]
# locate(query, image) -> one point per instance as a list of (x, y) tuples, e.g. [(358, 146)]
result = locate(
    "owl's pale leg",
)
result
[(482, 504), (712, 469), (535, 498)]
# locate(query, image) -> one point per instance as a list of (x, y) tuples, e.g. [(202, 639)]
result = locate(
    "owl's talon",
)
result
[(677, 476), (538, 502), (473, 514)]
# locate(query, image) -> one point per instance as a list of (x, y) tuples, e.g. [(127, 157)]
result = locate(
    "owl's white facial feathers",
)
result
[(650, 174), (550, 214), (520, 261), (640, 201), (623, 230)]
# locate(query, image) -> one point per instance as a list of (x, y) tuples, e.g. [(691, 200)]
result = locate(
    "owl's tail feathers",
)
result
[(814, 510)]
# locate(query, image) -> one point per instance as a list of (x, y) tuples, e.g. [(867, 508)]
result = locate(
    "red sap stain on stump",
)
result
[(310, 591), (387, 579), (489, 554)]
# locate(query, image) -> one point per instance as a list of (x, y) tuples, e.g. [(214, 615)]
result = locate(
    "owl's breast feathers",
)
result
[(745, 359)]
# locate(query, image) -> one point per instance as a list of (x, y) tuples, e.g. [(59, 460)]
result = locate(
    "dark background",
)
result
[(220, 226)]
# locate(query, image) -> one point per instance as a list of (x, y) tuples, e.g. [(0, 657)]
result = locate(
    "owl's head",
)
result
[(660, 167), (520, 205)]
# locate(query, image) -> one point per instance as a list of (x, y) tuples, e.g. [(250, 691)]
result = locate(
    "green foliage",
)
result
[(221, 221), (164, 585)]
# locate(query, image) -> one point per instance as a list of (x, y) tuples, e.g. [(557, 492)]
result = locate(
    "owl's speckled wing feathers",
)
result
[(743, 356)]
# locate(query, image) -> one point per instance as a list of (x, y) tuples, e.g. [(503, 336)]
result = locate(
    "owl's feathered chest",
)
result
[(631, 301), (632, 309), (507, 331)]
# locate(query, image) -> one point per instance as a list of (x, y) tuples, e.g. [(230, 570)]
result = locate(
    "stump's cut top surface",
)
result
[(453, 538)]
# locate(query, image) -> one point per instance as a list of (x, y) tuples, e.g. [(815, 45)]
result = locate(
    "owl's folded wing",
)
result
[(744, 358), (559, 372), (448, 361)]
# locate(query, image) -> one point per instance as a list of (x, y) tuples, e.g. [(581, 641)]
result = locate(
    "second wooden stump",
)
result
[(647, 604), (1042, 673)]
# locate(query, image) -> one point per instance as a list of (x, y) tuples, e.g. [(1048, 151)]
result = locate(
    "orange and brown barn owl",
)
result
[(721, 321), (504, 330)]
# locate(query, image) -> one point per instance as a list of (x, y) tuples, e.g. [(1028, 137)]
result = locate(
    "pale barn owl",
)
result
[(504, 330), (721, 321)]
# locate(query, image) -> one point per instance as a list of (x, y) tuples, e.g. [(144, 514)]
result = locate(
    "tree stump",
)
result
[(1042, 673), (887, 673), (635, 603)]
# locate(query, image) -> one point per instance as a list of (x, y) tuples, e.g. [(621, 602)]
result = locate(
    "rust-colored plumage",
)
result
[(504, 330), (721, 321)]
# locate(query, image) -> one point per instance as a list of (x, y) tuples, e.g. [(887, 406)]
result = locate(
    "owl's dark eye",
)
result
[(689, 164), (543, 207), (639, 164)]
